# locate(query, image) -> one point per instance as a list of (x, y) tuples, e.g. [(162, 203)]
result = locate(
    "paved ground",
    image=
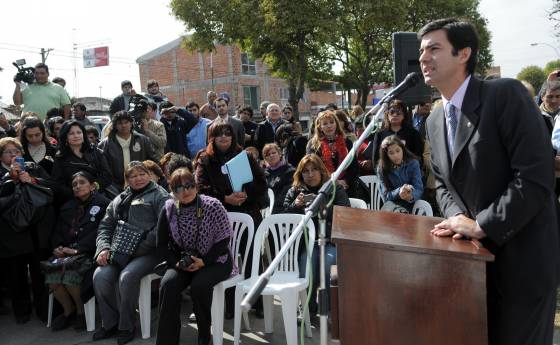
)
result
[(36, 333)]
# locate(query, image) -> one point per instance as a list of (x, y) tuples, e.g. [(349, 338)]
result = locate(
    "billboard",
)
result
[(96, 57)]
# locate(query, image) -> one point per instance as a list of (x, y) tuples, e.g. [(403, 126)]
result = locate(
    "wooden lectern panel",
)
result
[(398, 284)]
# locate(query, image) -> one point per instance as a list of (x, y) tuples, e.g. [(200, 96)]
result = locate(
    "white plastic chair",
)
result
[(374, 185), (145, 303), (267, 211), (284, 283), (422, 208), (89, 313), (358, 203), (241, 223)]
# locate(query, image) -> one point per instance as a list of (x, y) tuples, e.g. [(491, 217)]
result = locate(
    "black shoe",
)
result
[(80, 322), (103, 333), (125, 336), (192, 318), (63, 321)]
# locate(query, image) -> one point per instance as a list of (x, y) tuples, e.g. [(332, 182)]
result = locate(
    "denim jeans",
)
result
[(330, 259)]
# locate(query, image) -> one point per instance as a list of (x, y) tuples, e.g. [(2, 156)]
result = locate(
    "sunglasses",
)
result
[(182, 188)]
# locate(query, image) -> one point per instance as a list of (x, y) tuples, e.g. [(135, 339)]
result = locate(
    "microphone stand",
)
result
[(319, 206)]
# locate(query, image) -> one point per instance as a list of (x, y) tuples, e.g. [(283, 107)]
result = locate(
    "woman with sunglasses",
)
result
[(397, 121), (117, 279), (194, 236)]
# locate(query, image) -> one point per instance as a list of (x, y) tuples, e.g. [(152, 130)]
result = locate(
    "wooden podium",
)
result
[(398, 284)]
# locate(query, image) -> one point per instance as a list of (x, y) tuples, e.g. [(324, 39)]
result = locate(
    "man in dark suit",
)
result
[(492, 160), (266, 130), (238, 128)]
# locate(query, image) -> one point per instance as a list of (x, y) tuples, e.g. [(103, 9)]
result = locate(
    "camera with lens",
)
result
[(25, 74), (137, 109), (186, 259)]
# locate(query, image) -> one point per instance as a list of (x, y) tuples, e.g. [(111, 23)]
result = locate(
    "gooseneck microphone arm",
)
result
[(320, 202)]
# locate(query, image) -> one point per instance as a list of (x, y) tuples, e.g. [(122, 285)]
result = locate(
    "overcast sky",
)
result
[(133, 28)]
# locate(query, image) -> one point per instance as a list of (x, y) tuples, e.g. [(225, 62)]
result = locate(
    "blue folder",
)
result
[(238, 171)]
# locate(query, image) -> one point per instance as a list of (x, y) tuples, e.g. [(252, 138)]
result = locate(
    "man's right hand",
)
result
[(103, 257), (553, 75)]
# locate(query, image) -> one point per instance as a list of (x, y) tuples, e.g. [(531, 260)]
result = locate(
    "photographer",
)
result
[(41, 95), (124, 145), (154, 130), (193, 234), (178, 123)]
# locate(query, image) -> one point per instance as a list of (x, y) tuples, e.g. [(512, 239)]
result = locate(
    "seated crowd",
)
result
[(107, 209)]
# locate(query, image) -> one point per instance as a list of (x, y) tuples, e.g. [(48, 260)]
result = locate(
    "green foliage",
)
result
[(534, 75), (551, 66), (288, 35), (364, 47)]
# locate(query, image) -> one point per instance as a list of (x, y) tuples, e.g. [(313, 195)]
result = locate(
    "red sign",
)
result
[(96, 57)]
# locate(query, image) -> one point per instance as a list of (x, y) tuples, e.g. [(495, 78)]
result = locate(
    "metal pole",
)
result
[(322, 293)]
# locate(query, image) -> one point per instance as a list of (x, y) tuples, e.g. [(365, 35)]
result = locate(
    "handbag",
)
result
[(26, 199), (126, 240), (55, 264)]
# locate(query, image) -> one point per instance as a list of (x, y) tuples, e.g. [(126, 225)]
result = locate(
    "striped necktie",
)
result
[(451, 117)]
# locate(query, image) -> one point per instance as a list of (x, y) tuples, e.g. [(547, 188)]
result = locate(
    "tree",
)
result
[(288, 35), (551, 66), (534, 75), (363, 44)]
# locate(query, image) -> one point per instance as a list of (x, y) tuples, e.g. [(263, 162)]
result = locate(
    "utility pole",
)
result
[(45, 54)]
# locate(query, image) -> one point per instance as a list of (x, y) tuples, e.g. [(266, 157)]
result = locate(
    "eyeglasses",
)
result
[(395, 112), (11, 152), (182, 188)]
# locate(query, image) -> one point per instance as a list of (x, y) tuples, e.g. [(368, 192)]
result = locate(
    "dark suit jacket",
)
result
[(502, 175), (238, 129)]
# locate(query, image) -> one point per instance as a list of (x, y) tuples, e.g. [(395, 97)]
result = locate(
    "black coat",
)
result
[(265, 134), (47, 162), (280, 181), (176, 131), (37, 235), (66, 165), (413, 142)]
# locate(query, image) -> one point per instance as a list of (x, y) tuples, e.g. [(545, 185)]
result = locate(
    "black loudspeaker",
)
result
[(406, 52)]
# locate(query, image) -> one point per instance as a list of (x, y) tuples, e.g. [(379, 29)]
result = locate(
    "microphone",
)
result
[(409, 81)]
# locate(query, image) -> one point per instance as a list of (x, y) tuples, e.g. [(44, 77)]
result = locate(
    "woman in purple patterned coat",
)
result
[(194, 235)]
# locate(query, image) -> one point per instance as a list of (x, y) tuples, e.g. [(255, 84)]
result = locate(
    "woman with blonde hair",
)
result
[(329, 143)]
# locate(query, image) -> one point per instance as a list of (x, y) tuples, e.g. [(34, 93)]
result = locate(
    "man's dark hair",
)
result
[(152, 82), (121, 115), (247, 109), (165, 104), (54, 112), (459, 34), (80, 106), (42, 65), (193, 104), (179, 161), (553, 85), (152, 105), (92, 130), (222, 99)]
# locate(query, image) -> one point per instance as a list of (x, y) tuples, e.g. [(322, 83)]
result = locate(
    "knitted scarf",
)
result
[(333, 153)]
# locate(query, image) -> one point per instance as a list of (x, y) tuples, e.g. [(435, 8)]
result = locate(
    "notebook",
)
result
[(238, 171)]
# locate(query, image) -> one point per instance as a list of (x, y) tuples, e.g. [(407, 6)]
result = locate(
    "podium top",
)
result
[(402, 232)]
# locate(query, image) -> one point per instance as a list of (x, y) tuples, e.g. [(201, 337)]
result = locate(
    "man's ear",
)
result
[(465, 54)]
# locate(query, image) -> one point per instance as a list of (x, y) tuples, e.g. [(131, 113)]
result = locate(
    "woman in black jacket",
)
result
[(22, 247), (36, 145), (310, 175), (75, 153), (74, 236)]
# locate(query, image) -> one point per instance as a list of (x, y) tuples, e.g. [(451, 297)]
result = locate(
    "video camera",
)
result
[(137, 107), (25, 74)]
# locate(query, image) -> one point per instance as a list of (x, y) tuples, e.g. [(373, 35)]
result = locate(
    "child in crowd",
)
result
[(400, 176)]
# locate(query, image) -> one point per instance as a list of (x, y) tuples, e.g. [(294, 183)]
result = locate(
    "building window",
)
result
[(251, 96), (284, 94), (247, 64)]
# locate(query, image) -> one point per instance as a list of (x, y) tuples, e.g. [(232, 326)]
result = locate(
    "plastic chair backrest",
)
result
[(376, 198), (422, 208), (241, 223), (278, 227), (358, 203)]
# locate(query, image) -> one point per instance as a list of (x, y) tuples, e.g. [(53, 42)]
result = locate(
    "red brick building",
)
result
[(186, 76)]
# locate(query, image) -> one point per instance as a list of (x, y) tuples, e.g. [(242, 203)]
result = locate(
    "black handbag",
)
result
[(27, 198), (126, 240)]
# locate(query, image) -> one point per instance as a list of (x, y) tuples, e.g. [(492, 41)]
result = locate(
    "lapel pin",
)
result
[(468, 124)]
